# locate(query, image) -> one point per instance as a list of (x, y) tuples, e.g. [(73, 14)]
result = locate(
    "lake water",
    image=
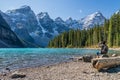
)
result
[(15, 58)]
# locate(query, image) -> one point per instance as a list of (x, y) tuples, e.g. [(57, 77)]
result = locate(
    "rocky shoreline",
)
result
[(65, 71)]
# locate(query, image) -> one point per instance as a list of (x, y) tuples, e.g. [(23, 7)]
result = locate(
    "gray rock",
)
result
[(4, 74), (118, 73), (114, 55), (7, 69), (76, 59), (87, 58), (18, 76)]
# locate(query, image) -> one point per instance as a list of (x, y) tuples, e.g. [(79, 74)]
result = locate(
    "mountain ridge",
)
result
[(41, 28)]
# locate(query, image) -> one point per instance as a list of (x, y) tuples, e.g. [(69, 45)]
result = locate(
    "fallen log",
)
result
[(100, 63)]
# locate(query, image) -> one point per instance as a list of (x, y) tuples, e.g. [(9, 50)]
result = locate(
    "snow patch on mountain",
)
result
[(43, 15), (93, 19), (55, 32), (33, 34), (43, 30)]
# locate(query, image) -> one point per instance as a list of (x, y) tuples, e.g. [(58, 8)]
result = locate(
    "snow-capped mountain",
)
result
[(41, 28), (46, 23), (73, 24), (25, 16), (91, 20), (50, 27), (23, 22), (87, 22)]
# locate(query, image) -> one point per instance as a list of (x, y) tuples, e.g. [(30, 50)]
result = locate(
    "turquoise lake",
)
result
[(16, 58)]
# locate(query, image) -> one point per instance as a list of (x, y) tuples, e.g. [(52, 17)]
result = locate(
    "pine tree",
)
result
[(110, 36)]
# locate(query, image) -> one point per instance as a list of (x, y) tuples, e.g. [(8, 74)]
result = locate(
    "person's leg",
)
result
[(98, 54)]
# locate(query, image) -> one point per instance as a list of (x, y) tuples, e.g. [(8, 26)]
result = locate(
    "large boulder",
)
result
[(87, 58)]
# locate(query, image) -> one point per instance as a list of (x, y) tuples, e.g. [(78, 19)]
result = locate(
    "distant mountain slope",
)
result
[(7, 36)]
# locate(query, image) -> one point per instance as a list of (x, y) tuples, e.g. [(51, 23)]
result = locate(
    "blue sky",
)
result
[(65, 8)]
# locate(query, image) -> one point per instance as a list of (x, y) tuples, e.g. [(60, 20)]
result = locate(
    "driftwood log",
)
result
[(100, 63)]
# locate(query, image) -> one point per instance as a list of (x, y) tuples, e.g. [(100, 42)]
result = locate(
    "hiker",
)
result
[(104, 48)]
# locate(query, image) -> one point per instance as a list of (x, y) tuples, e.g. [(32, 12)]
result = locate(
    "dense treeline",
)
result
[(109, 32)]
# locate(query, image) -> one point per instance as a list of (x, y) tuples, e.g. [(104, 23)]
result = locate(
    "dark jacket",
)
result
[(104, 49)]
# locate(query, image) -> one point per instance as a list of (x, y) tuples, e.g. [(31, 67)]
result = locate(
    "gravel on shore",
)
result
[(65, 71)]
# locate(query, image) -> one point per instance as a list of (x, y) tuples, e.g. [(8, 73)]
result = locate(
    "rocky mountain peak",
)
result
[(25, 7), (22, 9), (93, 15), (59, 20), (43, 15), (92, 19), (98, 13), (69, 20)]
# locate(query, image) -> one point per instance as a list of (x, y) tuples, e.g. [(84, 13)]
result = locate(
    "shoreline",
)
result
[(87, 48), (65, 71), (117, 49)]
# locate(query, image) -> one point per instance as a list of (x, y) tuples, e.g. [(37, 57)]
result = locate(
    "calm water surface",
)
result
[(15, 58)]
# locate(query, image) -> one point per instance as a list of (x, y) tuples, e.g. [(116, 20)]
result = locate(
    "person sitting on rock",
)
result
[(104, 49)]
